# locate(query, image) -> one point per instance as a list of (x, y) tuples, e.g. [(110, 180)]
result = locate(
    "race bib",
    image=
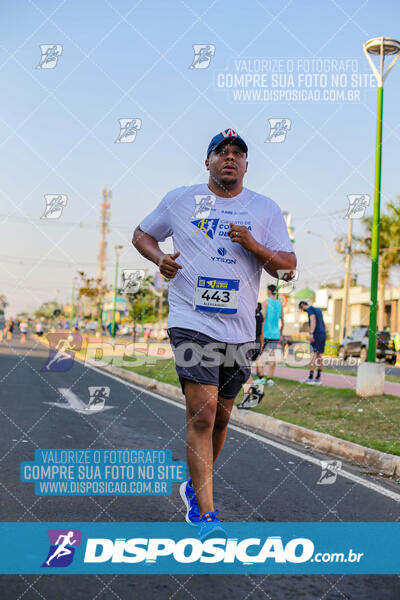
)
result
[(216, 295)]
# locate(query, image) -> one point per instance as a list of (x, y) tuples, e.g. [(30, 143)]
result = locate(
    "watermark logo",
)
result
[(278, 129), (203, 203), (330, 469), (50, 55), (128, 130), (62, 348), (287, 280), (203, 54), (63, 543), (295, 79), (97, 397), (55, 204), (253, 394), (132, 280), (357, 205)]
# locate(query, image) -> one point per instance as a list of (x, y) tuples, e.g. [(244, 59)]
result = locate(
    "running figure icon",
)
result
[(62, 347), (62, 549)]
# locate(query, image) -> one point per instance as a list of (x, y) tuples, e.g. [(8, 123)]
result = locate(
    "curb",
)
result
[(389, 464)]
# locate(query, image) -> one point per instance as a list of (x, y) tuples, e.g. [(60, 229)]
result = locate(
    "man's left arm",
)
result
[(271, 260)]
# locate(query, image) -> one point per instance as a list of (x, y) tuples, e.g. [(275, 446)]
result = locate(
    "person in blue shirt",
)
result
[(317, 340)]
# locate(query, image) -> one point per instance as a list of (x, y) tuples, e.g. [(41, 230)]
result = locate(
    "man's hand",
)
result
[(168, 266), (241, 235), (311, 337)]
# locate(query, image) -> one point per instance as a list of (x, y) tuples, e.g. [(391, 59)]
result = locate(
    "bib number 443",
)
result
[(217, 295)]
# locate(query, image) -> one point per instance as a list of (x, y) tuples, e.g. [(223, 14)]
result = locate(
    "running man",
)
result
[(212, 299), (317, 340), (272, 313)]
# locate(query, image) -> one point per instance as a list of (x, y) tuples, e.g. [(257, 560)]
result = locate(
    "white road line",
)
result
[(346, 474)]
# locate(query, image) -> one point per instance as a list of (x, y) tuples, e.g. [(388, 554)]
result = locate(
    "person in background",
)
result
[(23, 327), (317, 340), (9, 328), (273, 314), (39, 328)]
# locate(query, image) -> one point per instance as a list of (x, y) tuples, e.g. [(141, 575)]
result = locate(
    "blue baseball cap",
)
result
[(224, 136)]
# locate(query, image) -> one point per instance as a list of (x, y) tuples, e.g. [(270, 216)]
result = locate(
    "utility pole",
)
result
[(117, 251), (347, 275), (104, 229)]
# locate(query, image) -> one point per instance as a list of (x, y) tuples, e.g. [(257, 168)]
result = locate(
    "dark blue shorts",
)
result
[(318, 345), (196, 361)]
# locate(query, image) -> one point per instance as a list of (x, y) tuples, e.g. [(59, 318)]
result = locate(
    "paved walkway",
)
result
[(333, 380)]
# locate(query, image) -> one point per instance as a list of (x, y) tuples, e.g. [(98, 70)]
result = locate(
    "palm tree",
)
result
[(389, 250)]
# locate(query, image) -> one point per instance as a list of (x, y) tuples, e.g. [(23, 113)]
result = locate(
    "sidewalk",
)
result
[(333, 380)]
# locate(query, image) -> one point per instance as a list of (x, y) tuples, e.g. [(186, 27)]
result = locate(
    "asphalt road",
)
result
[(254, 481)]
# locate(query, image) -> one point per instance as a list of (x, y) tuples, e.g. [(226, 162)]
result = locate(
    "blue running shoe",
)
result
[(210, 526), (189, 498)]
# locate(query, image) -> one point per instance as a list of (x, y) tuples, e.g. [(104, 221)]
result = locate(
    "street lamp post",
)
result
[(381, 47), (117, 250)]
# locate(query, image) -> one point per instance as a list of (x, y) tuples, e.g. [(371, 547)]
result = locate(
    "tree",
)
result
[(389, 249), (46, 310), (145, 302)]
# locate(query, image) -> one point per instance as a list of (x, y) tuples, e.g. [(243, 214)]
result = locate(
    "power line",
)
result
[(61, 223)]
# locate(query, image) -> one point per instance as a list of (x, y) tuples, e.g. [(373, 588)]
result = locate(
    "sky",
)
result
[(59, 126)]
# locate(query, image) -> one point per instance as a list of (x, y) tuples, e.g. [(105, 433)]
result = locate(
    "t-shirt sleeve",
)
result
[(158, 223), (276, 236)]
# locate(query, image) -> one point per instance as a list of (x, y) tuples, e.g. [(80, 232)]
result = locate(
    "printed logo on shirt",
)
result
[(221, 258), (208, 226)]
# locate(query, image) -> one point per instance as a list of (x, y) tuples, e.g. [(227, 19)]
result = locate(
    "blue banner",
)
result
[(159, 548)]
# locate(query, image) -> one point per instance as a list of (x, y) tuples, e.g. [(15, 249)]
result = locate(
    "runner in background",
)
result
[(23, 327), (9, 328), (272, 314), (39, 328)]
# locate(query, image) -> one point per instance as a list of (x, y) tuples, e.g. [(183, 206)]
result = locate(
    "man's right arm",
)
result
[(149, 248)]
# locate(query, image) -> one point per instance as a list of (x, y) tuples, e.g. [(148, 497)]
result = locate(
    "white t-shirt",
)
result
[(198, 222)]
